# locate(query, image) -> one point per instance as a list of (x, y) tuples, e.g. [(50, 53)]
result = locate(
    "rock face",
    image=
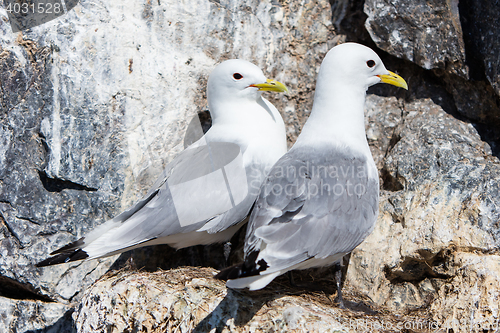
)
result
[(95, 103), (438, 228), (481, 21), (427, 33), (458, 41)]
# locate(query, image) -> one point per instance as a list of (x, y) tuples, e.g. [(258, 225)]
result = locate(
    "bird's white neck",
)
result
[(243, 112), (337, 117)]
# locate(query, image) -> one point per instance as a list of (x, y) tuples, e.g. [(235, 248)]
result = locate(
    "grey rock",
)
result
[(35, 316), (190, 300), (476, 100), (481, 23), (439, 210), (459, 42), (37, 208), (427, 33)]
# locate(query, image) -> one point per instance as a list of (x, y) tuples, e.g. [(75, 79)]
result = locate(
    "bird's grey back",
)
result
[(316, 202)]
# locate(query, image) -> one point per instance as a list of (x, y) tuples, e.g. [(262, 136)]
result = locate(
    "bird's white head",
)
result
[(237, 80), (338, 110), (357, 65)]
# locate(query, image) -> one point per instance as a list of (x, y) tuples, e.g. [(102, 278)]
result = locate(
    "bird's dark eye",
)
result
[(370, 63), (237, 76)]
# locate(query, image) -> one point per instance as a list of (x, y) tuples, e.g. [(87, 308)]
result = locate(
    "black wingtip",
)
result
[(230, 273), (247, 268), (71, 246), (62, 258)]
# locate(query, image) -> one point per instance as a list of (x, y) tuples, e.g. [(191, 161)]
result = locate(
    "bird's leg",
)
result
[(340, 272), (338, 280), (227, 251), (291, 280)]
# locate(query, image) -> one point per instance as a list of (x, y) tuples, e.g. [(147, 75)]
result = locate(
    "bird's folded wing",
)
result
[(192, 185), (313, 204)]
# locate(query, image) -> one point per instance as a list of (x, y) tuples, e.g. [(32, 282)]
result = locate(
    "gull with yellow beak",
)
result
[(205, 194), (320, 199)]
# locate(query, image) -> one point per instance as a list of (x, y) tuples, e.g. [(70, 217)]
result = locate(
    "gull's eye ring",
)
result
[(237, 76), (370, 63)]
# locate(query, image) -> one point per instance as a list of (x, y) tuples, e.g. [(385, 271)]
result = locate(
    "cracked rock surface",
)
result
[(439, 220), (427, 33), (457, 40), (190, 300)]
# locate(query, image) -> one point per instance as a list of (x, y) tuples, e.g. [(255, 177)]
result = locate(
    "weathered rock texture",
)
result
[(190, 300), (95, 103), (458, 41), (481, 22), (427, 33), (438, 230)]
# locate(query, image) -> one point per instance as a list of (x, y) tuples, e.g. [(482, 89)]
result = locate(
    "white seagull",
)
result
[(207, 191), (320, 199)]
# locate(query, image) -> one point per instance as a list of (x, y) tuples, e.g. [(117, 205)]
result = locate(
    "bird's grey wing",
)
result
[(314, 204), (193, 185), (137, 206)]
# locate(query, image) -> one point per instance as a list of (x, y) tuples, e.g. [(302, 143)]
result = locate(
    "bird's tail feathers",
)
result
[(255, 282), (71, 246), (61, 258), (249, 274), (250, 267)]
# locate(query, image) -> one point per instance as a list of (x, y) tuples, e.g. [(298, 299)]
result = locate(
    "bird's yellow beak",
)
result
[(271, 85), (394, 79)]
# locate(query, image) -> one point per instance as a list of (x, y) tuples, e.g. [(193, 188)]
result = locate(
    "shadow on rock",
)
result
[(152, 258), (282, 302), (65, 324), (236, 309)]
